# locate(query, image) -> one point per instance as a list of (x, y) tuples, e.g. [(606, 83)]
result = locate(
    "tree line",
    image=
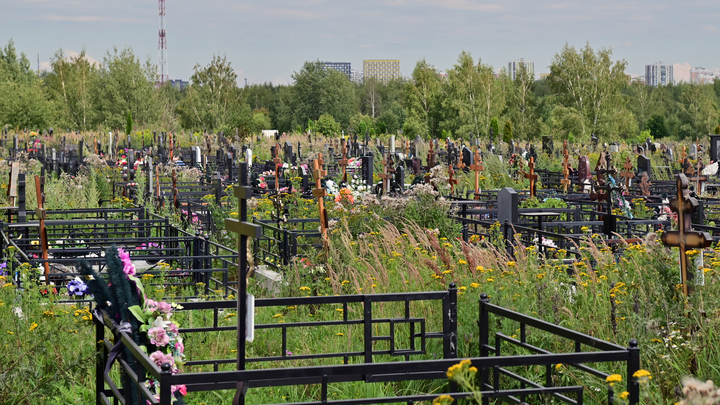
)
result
[(586, 92)]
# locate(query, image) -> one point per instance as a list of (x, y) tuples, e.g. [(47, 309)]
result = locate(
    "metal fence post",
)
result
[(633, 366), (100, 358), (450, 323), (484, 336), (165, 392)]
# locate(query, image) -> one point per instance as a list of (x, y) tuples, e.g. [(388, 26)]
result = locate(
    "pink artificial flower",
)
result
[(172, 328), (158, 337), (128, 266), (181, 388), (159, 358), (163, 307)]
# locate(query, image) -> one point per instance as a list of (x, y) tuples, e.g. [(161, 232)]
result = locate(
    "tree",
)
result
[(590, 83), (260, 121), (495, 129), (422, 99), (213, 101), (327, 125), (69, 86), (128, 123), (656, 125), (697, 110), (522, 107), (508, 132), (124, 84), (23, 103), (317, 91)]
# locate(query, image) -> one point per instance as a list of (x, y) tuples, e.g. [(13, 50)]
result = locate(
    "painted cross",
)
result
[(320, 193), (344, 162), (41, 214), (451, 179), (685, 238), (627, 174), (477, 166), (532, 176), (245, 230), (278, 163)]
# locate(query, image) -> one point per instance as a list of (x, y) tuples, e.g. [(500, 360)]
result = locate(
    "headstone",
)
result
[(507, 206), (693, 152), (400, 177), (614, 148), (467, 156), (367, 169), (714, 148), (644, 165), (392, 144)]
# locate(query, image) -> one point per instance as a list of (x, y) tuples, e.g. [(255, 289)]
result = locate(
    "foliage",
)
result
[(327, 125), (24, 103), (317, 91)]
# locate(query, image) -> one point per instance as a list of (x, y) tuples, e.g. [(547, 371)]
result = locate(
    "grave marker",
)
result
[(685, 238), (532, 176), (477, 166), (320, 193), (627, 174), (451, 179)]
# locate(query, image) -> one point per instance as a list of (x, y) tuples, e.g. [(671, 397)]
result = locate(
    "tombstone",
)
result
[(614, 148), (392, 144), (367, 169), (693, 151), (198, 157), (532, 154), (507, 206), (400, 177), (467, 157), (416, 166), (288, 152), (644, 165)]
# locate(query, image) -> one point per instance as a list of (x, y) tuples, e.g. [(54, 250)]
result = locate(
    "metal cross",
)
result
[(685, 238), (277, 162), (245, 230)]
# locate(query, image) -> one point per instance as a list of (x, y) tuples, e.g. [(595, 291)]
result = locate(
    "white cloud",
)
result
[(681, 72)]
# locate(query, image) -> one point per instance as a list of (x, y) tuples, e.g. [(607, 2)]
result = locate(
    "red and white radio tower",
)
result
[(162, 48)]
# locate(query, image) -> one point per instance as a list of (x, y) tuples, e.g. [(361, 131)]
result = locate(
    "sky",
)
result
[(266, 41)]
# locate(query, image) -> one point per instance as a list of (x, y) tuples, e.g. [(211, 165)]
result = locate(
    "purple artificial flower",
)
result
[(158, 337), (77, 287)]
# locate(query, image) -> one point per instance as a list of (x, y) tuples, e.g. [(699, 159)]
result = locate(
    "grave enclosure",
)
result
[(384, 356)]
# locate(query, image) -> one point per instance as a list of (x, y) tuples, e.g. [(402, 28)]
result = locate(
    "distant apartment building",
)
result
[(700, 75), (356, 76), (342, 67), (659, 74), (383, 70), (179, 84), (544, 76), (515, 66)]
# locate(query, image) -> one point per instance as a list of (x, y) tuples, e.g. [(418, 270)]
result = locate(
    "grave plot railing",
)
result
[(278, 246), (606, 352), (368, 363)]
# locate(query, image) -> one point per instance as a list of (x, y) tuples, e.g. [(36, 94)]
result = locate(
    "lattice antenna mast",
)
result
[(162, 47)]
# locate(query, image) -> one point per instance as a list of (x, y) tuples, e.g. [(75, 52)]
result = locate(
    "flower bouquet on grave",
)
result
[(150, 323)]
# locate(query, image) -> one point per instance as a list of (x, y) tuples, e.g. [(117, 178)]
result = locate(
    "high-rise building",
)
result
[(659, 74), (356, 76), (514, 67), (342, 67), (180, 84), (700, 75), (383, 70)]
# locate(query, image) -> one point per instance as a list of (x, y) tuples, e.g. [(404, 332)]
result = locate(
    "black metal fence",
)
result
[(362, 365)]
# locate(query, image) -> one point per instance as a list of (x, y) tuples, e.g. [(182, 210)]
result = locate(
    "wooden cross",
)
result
[(384, 175), (477, 166), (42, 216), (566, 168), (13, 183), (344, 162), (277, 162), (627, 174), (460, 164), (245, 230), (683, 155), (452, 180), (699, 178), (95, 143), (645, 184), (532, 176), (172, 146), (685, 238), (320, 193)]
